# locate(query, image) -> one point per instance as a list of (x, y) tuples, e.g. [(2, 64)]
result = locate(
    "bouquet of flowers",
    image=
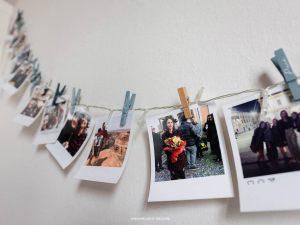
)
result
[(177, 145)]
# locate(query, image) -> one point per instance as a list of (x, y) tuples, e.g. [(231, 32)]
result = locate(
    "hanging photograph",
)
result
[(52, 121), (108, 151), (266, 150), (17, 80), (20, 59), (19, 46), (188, 153), (74, 135), (34, 107)]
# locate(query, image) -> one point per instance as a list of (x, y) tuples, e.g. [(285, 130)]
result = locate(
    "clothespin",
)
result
[(128, 105), (185, 102), (75, 100), (283, 66), (58, 93), (199, 95)]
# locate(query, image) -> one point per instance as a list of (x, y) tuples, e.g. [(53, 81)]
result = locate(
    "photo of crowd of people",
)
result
[(200, 153), (19, 78), (53, 117), (75, 132), (36, 102), (270, 145), (109, 147)]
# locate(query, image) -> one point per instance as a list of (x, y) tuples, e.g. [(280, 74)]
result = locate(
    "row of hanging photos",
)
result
[(280, 61)]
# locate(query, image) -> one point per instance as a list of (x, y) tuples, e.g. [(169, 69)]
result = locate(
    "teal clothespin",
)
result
[(58, 93), (282, 64), (75, 100), (128, 105)]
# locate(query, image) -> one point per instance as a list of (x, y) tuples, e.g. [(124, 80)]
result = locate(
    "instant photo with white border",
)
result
[(266, 192), (26, 120), (63, 157), (102, 173), (11, 89), (51, 135), (218, 186)]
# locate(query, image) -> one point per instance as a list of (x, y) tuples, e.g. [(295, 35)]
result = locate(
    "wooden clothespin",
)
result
[(128, 105), (75, 100), (283, 66), (185, 102), (58, 93)]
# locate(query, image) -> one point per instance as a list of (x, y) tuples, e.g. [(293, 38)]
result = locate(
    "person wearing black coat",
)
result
[(279, 139), (212, 137), (158, 148), (189, 134), (258, 142)]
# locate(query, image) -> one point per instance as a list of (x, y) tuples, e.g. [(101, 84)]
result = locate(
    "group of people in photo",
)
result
[(53, 118), (21, 76), (281, 134), (36, 103), (74, 133), (194, 136), (98, 142)]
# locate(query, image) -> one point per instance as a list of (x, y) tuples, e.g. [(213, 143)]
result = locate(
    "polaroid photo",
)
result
[(52, 121), (18, 47), (266, 150), (74, 135), (109, 150), (23, 56), (188, 157), (16, 81), (34, 107)]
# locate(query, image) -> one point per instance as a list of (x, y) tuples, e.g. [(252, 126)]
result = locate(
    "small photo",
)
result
[(20, 59), (53, 117), (269, 146), (75, 132), (108, 150), (36, 102), (34, 107), (198, 152), (109, 147), (22, 75), (188, 153), (19, 46), (52, 121)]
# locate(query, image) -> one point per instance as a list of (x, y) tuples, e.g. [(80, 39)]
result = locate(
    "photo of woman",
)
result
[(36, 103), (74, 132), (21, 76), (176, 169), (53, 116)]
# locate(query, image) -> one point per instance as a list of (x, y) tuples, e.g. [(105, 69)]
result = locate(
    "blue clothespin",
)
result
[(58, 93), (75, 100), (128, 105), (282, 64)]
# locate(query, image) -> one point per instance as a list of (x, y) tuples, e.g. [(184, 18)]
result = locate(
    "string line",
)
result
[(146, 110)]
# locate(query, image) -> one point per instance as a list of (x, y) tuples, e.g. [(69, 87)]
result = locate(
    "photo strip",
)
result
[(266, 150), (34, 107), (109, 150), (188, 154), (52, 121), (74, 135), (17, 80)]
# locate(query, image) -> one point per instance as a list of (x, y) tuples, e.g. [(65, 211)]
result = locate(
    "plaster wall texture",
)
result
[(151, 48)]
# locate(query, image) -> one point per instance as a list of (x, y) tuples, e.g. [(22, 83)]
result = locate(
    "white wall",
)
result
[(151, 48)]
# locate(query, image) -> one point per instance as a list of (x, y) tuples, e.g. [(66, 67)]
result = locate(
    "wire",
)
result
[(146, 110)]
